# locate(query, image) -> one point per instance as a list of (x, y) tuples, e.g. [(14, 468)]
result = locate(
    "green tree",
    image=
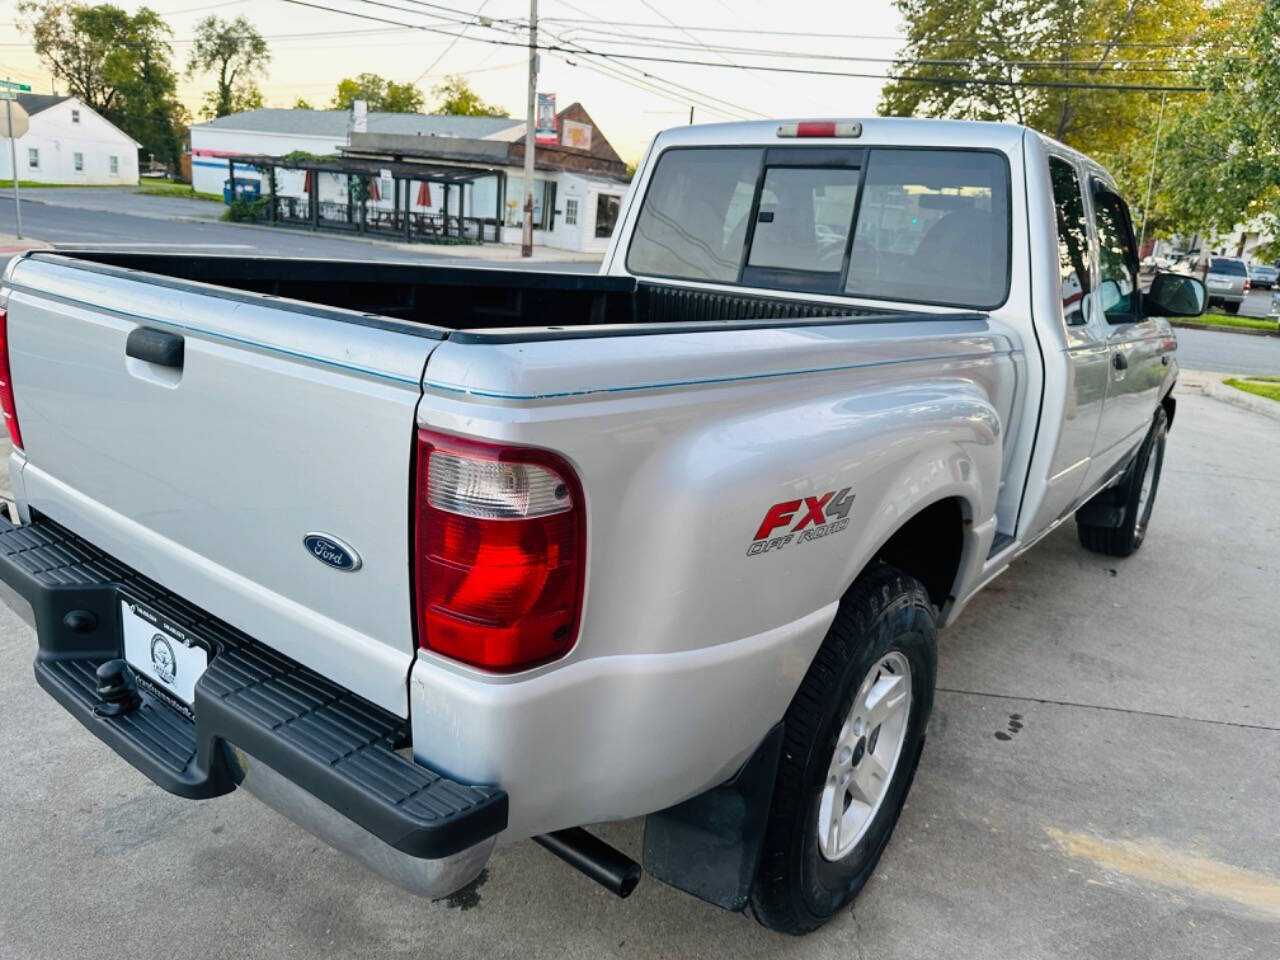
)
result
[(302, 104), (236, 53), (455, 96), (967, 59), (1219, 165), (379, 94), (118, 64)]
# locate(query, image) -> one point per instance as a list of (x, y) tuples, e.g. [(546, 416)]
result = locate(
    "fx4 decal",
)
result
[(810, 518)]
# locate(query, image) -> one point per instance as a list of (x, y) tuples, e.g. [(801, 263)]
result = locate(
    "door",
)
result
[(1135, 371), (1087, 354)]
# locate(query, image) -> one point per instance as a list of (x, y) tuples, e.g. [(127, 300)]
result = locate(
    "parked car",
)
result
[(1227, 280), (432, 557), (1262, 275)]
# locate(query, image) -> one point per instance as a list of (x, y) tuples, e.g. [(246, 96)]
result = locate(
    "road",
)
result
[(64, 225), (1224, 352), (1099, 781)]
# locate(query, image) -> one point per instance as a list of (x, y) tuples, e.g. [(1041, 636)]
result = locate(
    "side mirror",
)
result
[(1174, 295)]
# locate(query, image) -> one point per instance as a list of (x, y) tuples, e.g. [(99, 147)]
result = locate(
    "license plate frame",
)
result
[(166, 657)]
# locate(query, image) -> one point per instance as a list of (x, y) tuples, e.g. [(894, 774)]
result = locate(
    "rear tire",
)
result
[(1136, 494), (838, 732), (1232, 307)]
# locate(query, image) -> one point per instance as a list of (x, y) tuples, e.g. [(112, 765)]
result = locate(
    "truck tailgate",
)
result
[(280, 421)]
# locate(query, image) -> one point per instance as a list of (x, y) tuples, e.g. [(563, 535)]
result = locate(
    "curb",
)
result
[(1216, 328), (1246, 401)]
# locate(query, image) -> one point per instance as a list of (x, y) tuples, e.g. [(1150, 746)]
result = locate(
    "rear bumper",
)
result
[(313, 750)]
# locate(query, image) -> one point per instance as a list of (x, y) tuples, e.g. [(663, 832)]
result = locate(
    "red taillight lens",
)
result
[(6, 384), (500, 552)]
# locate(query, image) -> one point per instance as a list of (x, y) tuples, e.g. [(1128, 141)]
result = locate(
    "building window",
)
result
[(607, 207), (79, 162), (570, 213), (114, 164), (33, 158), (75, 116)]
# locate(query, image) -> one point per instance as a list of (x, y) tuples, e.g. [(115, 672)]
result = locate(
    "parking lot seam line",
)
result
[(1096, 706)]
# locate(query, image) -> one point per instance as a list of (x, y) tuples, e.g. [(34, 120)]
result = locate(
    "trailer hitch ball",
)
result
[(117, 689)]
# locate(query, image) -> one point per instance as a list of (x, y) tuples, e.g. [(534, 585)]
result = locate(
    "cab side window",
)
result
[(1073, 241), (1117, 259)]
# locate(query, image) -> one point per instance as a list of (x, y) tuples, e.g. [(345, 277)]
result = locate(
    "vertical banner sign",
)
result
[(545, 131)]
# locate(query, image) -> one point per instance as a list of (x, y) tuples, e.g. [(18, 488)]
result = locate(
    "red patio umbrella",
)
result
[(309, 182), (424, 194), (374, 194)]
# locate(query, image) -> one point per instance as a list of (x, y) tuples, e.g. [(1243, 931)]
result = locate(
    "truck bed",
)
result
[(447, 298)]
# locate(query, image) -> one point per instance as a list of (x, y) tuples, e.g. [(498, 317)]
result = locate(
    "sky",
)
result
[(313, 49)]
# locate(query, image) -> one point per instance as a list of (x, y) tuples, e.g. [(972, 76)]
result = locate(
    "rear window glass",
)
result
[(932, 226), (804, 218), (1233, 267), (694, 220)]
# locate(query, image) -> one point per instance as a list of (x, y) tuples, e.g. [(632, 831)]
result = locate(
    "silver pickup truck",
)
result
[(436, 558)]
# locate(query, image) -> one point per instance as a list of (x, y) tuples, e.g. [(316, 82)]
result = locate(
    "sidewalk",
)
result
[(1210, 384), (11, 245)]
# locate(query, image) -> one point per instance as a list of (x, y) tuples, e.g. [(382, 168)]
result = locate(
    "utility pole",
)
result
[(530, 132), (691, 116), (10, 89)]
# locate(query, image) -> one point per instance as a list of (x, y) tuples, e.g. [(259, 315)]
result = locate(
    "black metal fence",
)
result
[(365, 212)]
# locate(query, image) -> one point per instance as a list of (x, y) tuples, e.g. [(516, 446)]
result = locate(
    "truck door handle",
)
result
[(155, 346), (1120, 361)]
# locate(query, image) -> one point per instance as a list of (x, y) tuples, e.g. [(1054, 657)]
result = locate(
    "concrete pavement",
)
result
[(1100, 781)]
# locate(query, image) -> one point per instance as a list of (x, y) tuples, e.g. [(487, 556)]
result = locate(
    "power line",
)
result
[(452, 43), (690, 95), (1137, 66), (956, 81), (873, 36)]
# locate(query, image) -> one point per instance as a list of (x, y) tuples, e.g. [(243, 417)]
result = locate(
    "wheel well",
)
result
[(1170, 407), (928, 547)]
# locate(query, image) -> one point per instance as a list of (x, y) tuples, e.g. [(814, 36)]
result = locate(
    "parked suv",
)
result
[(1227, 282), (1262, 275)]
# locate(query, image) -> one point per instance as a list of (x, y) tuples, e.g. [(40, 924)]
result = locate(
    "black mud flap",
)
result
[(709, 845)]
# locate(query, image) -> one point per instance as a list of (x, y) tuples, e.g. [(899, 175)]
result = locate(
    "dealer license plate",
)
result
[(163, 653)]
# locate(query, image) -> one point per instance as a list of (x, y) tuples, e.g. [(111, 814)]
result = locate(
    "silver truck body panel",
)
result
[(682, 442)]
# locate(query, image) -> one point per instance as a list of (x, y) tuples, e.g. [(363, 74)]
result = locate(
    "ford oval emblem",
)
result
[(328, 549)]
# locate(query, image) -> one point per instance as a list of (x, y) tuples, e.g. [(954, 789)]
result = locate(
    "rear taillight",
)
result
[(500, 553), (6, 384)]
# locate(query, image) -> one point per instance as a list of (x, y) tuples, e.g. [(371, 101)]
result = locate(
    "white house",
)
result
[(427, 172), (68, 143), (276, 132)]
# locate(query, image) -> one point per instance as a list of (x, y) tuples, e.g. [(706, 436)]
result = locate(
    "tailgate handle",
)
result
[(155, 346)]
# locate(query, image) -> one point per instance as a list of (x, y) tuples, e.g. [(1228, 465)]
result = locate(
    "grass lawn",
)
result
[(152, 188), (167, 188), (1231, 320), (1268, 387), (35, 185)]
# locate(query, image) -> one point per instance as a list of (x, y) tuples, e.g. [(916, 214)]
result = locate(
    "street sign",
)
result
[(14, 121), (15, 85)]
